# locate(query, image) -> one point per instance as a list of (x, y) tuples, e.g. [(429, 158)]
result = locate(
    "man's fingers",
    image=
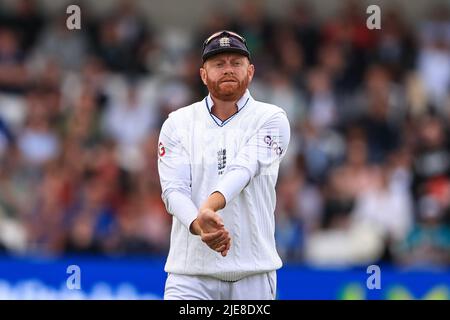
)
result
[(225, 248), (208, 237), (225, 252), (219, 241), (223, 242), (221, 248)]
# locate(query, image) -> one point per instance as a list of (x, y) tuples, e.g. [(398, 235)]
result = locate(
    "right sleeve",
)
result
[(261, 154), (175, 175)]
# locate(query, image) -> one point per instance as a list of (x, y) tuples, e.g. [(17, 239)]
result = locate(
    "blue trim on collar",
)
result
[(240, 103), (210, 114), (208, 108)]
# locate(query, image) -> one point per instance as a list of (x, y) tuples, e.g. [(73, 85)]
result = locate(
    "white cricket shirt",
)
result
[(239, 157)]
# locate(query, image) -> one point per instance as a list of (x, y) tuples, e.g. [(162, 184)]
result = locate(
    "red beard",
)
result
[(227, 91)]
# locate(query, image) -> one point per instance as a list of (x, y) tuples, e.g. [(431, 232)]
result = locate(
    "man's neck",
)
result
[(223, 109)]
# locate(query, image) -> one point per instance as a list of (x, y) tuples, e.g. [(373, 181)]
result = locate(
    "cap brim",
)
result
[(211, 53)]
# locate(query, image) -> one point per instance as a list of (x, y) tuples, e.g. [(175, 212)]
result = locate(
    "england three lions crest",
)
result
[(221, 160)]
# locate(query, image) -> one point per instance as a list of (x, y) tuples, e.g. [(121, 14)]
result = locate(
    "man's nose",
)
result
[(228, 69)]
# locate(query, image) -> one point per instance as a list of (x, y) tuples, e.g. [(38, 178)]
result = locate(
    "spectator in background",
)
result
[(343, 241), (83, 121), (386, 207), (93, 216), (80, 238), (279, 87), (348, 33), (45, 223), (12, 228), (428, 243), (332, 59), (321, 150), (301, 20), (129, 121), (143, 226), (380, 90), (60, 44), (322, 104), (123, 40), (94, 79), (431, 166), (396, 45), (39, 142), (25, 20), (6, 138), (13, 74), (289, 230), (288, 55), (253, 23), (433, 62), (378, 121)]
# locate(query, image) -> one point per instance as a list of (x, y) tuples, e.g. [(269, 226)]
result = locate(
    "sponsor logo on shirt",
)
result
[(162, 150), (273, 145)]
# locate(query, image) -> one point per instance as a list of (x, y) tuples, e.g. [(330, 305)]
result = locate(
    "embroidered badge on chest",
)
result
[(221, 160)]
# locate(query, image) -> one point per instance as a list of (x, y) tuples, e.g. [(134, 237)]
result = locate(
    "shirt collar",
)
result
[(240, 103)]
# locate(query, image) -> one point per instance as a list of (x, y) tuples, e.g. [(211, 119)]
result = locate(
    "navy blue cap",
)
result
[(224, 41)]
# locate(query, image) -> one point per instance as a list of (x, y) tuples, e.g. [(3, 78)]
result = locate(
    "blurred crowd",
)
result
[(367, 175)]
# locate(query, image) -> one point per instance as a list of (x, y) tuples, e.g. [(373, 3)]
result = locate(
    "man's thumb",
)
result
[(218, 220)]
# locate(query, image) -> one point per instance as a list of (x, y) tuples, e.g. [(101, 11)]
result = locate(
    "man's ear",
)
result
[(203, 75), (250, 72)]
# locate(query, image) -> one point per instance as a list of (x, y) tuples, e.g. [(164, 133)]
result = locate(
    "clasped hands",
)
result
[(209, 225)]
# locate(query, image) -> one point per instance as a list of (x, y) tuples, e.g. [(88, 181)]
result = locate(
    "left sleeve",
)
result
[(175, 174), (261, 154)]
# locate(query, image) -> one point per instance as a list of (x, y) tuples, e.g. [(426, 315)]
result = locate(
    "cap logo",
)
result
[(224, 42)]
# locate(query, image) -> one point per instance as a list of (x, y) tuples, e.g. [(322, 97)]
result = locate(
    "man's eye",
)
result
[(219, 64), (237, 64)]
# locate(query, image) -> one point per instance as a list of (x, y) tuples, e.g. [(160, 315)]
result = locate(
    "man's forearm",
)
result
[(215, 202)]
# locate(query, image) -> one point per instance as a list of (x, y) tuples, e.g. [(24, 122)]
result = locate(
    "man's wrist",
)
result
[(194, 228), (215, 202)]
